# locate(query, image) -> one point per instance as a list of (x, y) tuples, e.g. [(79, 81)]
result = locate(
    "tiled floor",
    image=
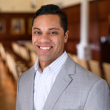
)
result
[(7, 89)]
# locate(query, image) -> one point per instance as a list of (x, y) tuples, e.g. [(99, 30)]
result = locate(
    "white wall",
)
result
[(62, 3), (25, 5), (18, 5)]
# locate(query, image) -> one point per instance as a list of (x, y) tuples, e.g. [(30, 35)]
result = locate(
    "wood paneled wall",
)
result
[(7, 17), (73, 14)]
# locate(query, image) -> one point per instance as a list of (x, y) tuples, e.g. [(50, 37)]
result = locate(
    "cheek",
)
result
[(34, 39), (58, 41), (33, 42)]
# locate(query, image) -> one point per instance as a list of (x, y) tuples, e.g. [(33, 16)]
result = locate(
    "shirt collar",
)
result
[(55, 65)]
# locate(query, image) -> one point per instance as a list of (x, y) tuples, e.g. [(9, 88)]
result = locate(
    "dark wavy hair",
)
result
[(55, 10)]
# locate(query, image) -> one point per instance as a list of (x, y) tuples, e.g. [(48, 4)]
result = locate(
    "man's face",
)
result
[(48, 37)]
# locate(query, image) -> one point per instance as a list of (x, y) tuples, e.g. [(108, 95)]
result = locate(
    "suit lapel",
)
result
[(62, 81)]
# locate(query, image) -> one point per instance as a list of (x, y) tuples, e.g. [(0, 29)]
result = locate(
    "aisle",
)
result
[(7, 89)]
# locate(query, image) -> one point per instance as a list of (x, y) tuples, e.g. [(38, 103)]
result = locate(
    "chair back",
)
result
[(33, 57), (2, 52), (106, 69), (95, 67), (11, 65), (84, 63)]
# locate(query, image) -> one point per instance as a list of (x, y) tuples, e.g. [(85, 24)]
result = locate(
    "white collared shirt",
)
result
[(44, 80)]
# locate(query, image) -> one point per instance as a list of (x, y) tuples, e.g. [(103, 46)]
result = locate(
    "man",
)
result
[(56, 82)]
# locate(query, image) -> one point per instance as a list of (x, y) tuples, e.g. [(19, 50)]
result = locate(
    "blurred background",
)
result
[(89, 27)]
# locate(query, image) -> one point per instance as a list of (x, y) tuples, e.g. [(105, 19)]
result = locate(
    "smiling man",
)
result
[(48, 38), (56, 82)]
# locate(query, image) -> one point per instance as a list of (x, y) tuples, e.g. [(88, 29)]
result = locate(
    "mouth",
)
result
[(45, 48)]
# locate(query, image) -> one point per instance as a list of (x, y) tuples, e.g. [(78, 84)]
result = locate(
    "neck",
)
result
[(43, 65)]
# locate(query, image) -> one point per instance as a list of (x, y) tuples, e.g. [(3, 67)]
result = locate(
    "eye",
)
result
[(37, 32), (53, 33)]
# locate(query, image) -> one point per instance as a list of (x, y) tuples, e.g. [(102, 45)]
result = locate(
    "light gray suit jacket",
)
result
[(75, 88)]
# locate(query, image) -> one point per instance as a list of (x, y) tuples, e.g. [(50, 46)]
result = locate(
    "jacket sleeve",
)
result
[(98, 97), (17, 99)]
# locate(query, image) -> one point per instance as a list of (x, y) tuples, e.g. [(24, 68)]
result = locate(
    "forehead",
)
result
[(50, 19)]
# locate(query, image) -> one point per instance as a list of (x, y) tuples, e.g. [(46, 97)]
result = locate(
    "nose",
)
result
[(44, 38)]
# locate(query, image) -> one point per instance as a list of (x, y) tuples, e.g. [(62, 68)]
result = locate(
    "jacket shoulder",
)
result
[(27, 75), (80, 73)]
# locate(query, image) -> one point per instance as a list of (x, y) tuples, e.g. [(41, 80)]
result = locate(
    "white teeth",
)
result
[(45, 48)]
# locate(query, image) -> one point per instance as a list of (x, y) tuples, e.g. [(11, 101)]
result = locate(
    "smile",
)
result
[(45, 48)]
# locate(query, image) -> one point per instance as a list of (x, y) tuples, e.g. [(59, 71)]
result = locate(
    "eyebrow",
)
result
[(53, 28), (48, 29), (37, 28)]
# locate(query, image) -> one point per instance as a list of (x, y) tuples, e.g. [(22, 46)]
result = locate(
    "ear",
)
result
[(66, 36)]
